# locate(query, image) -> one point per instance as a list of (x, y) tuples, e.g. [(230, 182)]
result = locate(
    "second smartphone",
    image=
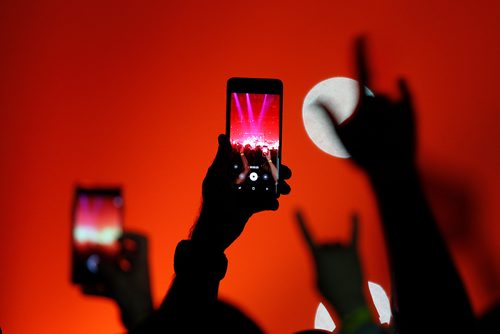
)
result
[(254, 113), (97, 225)]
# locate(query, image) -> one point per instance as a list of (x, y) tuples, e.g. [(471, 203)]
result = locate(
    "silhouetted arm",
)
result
[(427, 285), (380, 136), (340, 280), (200, 262)]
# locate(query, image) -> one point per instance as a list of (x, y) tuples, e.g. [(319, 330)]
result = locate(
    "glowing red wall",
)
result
[(134, 94)]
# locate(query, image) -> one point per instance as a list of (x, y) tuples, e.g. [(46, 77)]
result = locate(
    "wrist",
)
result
[(194, 259), (346, 306), (357, 321), (206, 233)]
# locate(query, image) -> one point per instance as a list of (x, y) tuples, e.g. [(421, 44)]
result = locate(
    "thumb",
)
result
[(305, 231), (405, 92), (223, 152)]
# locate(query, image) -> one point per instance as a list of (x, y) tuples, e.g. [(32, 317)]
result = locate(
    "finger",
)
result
[(129, 245), (125, 264), (270, 204), (284, 188), (405, 92), (333, 121), (133, 242), (136, 236), (285, 172), (223, 152), (362, 66), (355, 230), (305, 231)]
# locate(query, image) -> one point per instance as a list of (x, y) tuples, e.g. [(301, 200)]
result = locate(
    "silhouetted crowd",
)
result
[(428, 293)]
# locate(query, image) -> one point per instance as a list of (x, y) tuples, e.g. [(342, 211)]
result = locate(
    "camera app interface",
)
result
[(255, 135), (97, 228)]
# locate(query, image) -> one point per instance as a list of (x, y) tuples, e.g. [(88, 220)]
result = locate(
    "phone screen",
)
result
[(254, 127), (97, 226)]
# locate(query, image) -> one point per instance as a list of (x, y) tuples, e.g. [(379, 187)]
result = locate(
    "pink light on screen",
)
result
[(98, 222), (260, 126)]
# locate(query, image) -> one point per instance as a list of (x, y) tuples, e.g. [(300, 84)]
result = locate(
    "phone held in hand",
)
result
[(254, 113), (97, 225)]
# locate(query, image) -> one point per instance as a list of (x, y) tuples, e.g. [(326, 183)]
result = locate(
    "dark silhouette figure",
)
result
[(191, 304), (339, 279), (126, 280), (489, 322), (429, 296)]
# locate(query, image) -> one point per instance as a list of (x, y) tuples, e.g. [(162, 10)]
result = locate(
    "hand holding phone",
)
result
[(225, 211)]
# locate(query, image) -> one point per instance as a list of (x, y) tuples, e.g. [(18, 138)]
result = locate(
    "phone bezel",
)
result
[(78, 276), (256, 86)]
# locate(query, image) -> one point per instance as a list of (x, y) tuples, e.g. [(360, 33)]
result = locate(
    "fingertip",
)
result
[(404, 90), (130, 244), (221, 138), (124, 264), (284, 188), (298, 214), (362, 67), (360, 42), (285, 172), (223, 150)]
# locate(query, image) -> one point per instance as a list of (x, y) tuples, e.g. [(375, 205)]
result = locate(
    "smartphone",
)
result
[(97, 225), (254, 114)]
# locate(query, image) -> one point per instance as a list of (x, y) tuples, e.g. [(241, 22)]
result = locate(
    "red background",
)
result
[(134, 94)]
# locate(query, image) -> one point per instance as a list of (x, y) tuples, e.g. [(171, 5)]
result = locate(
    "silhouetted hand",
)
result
[(380, 135), (225, 212), (338, 270), (126, 280)]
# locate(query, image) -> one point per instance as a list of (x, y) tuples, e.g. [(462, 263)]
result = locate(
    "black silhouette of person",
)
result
[(429, 296)]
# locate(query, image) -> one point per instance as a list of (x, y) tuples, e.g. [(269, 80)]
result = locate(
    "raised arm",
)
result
[(200, 263), (380, 137), (340, 280)]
